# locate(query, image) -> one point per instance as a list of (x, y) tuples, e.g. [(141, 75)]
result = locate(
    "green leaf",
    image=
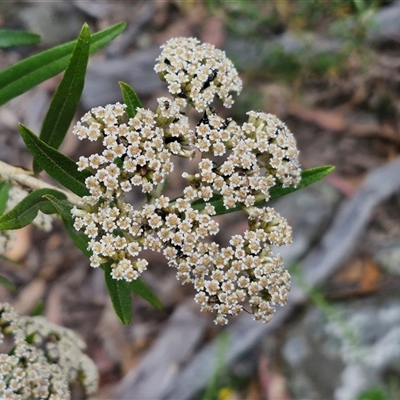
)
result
[(140, 288), (31, 338), (60, 167), (4, 189), (374, 393), (10, 37), (38, 309), (120, 294), (131, 99), (5, 282), (80, 240), (66, 99), (308, 177), (64, 210), (28, 73), (26, 210)]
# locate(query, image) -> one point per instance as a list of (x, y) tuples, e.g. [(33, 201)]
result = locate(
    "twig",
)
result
[(26, 178)]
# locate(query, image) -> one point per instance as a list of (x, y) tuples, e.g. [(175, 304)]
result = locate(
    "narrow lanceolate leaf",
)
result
[(60, 167), (141, 289), (66, 99), (63, 208), (120, 294), (131, 99), (4, 189), (5, 282), (308, 177), (26, 210), (11, 37), (38, 309), (28, 73)]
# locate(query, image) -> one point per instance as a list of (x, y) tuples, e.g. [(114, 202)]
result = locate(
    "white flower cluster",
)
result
[(239, 165), (258, 155), (197, 72), (246, 270), (42, 360), (42, 221)]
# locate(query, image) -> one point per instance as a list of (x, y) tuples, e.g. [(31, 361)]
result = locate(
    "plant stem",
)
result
[(26, 178)]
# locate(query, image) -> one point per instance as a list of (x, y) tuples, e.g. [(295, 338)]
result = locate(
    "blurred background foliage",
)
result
[(304, 46), (331, 71)]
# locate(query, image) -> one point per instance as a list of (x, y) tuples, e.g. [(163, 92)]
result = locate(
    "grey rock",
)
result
[(385, 24), (297, 43), (96, 9), (158, 368), (296, 350), (308, 212), (338, 351), (56, 22), (354, 380), (376, 357), (388, 256), (350, 222), (313, 368), (243, 335)]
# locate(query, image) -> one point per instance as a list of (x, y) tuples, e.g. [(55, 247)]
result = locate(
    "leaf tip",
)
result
[(85, 29)]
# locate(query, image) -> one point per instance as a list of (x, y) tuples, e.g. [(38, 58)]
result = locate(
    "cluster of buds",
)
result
[(239, 164), (42, 359)]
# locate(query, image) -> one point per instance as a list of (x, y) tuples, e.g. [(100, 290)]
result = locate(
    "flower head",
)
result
[(197, 72), (42, 369), (238, 165), (243, 163), (274, 146), (244, 273)]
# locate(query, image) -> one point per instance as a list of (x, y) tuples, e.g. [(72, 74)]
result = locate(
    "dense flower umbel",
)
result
[(197, 72), (136, 153), (246, 270), (238, 163), (254, 158), (42, 360)]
